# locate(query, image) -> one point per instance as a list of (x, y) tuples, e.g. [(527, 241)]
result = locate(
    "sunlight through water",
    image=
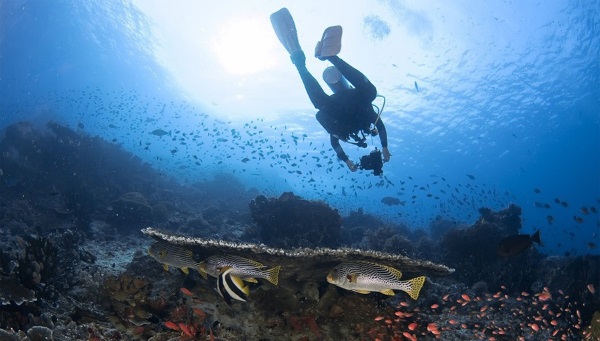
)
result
[(243, 46)]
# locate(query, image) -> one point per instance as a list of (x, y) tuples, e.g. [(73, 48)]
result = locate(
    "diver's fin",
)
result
[(285, 29), (330, 44)]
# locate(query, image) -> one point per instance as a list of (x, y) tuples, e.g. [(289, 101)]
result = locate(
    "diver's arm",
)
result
[(335, 143), (383, 137), (382, 133)]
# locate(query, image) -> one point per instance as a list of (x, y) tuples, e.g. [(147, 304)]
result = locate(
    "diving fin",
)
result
[(285, 29), (330, 44)]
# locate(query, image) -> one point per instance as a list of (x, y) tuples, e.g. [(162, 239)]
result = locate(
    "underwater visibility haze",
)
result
[(189, 119)]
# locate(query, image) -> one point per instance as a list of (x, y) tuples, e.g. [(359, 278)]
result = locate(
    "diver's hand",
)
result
[(351, 165), (386, 154)]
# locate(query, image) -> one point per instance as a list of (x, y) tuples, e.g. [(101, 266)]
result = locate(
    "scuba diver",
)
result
[(349, 111)]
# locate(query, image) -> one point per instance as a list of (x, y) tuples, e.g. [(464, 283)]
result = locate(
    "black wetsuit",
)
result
[(347, 112)]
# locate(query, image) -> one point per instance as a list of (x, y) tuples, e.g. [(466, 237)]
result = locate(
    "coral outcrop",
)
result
[(131, 209), (472, 251), (290, 221)]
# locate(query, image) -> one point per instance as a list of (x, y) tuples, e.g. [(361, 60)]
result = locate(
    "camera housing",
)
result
[(372, 161)]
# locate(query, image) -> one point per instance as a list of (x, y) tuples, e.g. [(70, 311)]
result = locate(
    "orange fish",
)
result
[(409, 336), (199, 312), (412, 326), (544, 296), (171, 325), (185, 329), (591, 288), (433, 328), (186, 292)]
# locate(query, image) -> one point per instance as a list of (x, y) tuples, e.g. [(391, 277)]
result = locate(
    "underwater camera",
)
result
[(372, 161)]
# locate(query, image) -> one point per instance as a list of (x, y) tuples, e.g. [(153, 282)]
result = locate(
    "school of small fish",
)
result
[(248, 149)]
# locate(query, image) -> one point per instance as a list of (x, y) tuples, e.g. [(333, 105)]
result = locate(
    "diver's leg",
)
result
[(315, 92), (354, 76)]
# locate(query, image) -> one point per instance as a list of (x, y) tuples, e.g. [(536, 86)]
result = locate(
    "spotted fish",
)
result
[(173, 255), (246, 269), (365, 277)]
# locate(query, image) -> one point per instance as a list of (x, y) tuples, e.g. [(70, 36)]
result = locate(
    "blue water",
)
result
[(508, 94)]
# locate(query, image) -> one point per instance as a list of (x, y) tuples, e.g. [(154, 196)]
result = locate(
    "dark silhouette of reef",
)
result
[(75, 177), (290, 221), (473, 250)]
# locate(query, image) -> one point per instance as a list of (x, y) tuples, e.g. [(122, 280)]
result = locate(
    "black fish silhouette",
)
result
[(517, 244)]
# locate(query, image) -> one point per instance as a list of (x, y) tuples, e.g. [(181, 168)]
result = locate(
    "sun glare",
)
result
[(245, 46)]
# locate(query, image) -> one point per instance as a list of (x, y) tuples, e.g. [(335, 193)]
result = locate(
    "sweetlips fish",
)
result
[(365, 277), (173, 255), (246, 269)]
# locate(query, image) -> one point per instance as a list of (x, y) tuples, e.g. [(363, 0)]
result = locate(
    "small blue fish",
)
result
[(416, 86)]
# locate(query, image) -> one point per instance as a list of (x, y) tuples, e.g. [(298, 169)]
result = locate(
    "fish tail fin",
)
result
[(273, 275), (413, 286), (536, 237)]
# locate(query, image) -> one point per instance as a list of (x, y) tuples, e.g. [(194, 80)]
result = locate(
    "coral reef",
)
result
[(131, 210), (28, 269), (472, 251), (388, 239), (14, 292), (299, 262), (290, 221), (592, 332), (71, 270), (61, 171)]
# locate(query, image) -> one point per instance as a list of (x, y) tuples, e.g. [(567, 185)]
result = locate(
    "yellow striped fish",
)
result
[(173, 255), (246, 269), (365, 277)]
